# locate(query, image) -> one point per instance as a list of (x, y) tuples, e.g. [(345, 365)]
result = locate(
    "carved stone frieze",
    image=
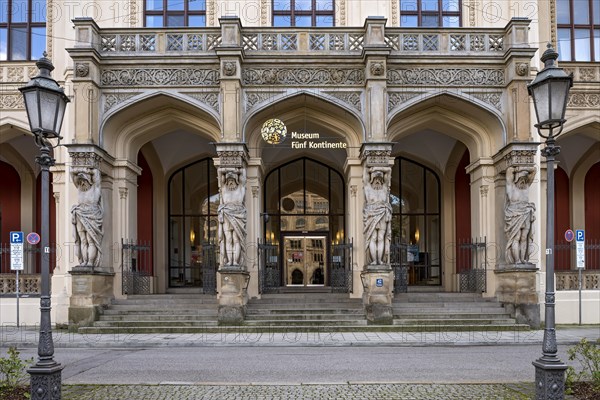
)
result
[(82, 69), (209, 98), (303, 76), (553, 22), (112, 99), (446, 76), (520, 157), (85, 159), (587, 74), (341, 4), (12, 101), (14, 74), (376, 154), (584, 100), (160, 77), (350, 98), (494, 99), (133, 13), (397, 98), (232, 158), (254, 98)]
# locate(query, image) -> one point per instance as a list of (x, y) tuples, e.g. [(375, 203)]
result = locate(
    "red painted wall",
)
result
[(562, 220), (10, 208), (145, 227), (462, 212), (592, 215)]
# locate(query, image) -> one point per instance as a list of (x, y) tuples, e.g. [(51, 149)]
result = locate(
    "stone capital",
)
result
[(515, 154), (376, 154), (232, 155)]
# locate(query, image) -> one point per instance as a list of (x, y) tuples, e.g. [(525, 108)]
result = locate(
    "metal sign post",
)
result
[(16, 260), (580, 241)]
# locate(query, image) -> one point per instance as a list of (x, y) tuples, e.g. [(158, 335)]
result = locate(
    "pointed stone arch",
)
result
[(467, 120), (295, 106), (125, 131)]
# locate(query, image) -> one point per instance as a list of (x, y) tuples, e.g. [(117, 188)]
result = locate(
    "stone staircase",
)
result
[(303, 312), (160, 313), (441, 311)]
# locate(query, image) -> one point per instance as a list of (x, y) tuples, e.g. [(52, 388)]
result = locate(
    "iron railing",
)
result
[(136, 267), (471, 264), (268, 267), (31, 258), (398, 260), (209, 268), (341, 279), (564, 255)]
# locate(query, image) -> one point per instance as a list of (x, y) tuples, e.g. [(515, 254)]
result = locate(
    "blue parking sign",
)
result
[(580, 235), (16, 237)]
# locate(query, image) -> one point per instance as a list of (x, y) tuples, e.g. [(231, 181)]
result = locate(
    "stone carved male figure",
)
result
[(232, 215), (377, 214), (87, 216), (519, 214)]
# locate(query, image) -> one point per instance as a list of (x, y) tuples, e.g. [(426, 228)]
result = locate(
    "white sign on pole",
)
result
[(16, 251), (580, 249)]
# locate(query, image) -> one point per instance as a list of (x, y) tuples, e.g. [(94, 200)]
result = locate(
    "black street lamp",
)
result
[(550, 93), (45, 104)]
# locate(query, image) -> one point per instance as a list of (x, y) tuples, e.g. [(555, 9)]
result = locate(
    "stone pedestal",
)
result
[(516, 289), (92, 290), (234, 296), (378, 282)]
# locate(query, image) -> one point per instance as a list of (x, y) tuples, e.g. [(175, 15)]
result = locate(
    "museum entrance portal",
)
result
[(304, 259), (304, 202)]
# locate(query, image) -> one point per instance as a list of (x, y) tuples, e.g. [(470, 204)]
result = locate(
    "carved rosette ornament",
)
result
[(522, 69), (229, 68), (377, 69), (82, 70)]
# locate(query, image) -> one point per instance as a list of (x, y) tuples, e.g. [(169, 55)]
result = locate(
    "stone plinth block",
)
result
[(378, 282), (516, 289), (92, 291), (234, 296)]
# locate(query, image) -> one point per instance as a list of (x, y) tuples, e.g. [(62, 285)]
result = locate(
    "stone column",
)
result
[(234, 277), (516, 271), (92, 277), (377, 276)]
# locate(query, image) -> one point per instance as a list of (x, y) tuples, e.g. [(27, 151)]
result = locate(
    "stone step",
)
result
[(442, 296), (158, 317), (162, 307), (303, 329), (146, 323), (299, 305), (502, 314), (457, 321), (141, 311), (253, 311), (304, 322), (446, 306), (302, 317)]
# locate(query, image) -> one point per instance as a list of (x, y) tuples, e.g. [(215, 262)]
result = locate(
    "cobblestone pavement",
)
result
[(301, 392)]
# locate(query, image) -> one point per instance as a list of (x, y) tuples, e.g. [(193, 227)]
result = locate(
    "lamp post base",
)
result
[(46, 382), (549, 379)]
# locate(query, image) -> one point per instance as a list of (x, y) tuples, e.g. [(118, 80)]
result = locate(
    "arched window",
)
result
[(416, 222), (193, 203), (304, 195)]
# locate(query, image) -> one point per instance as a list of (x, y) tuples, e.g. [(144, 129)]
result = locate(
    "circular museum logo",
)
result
[(273, 131)]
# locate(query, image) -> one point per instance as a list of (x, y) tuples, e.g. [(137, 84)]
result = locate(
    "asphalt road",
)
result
[(294, 365)]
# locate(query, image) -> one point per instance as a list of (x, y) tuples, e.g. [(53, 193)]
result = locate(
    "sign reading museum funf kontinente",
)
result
[(314, 141), (275, 132), (16, 251)]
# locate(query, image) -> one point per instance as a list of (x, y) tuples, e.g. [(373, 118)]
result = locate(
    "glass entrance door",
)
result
[(305, 260)]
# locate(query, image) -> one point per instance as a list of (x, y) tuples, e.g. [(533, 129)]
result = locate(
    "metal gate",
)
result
[(268, 267), (135, 267), (341, 267), (471, 265), (398, 260)]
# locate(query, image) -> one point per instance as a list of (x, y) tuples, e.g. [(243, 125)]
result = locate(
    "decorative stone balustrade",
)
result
[(569, 280), (351, 41), (28, 284)]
